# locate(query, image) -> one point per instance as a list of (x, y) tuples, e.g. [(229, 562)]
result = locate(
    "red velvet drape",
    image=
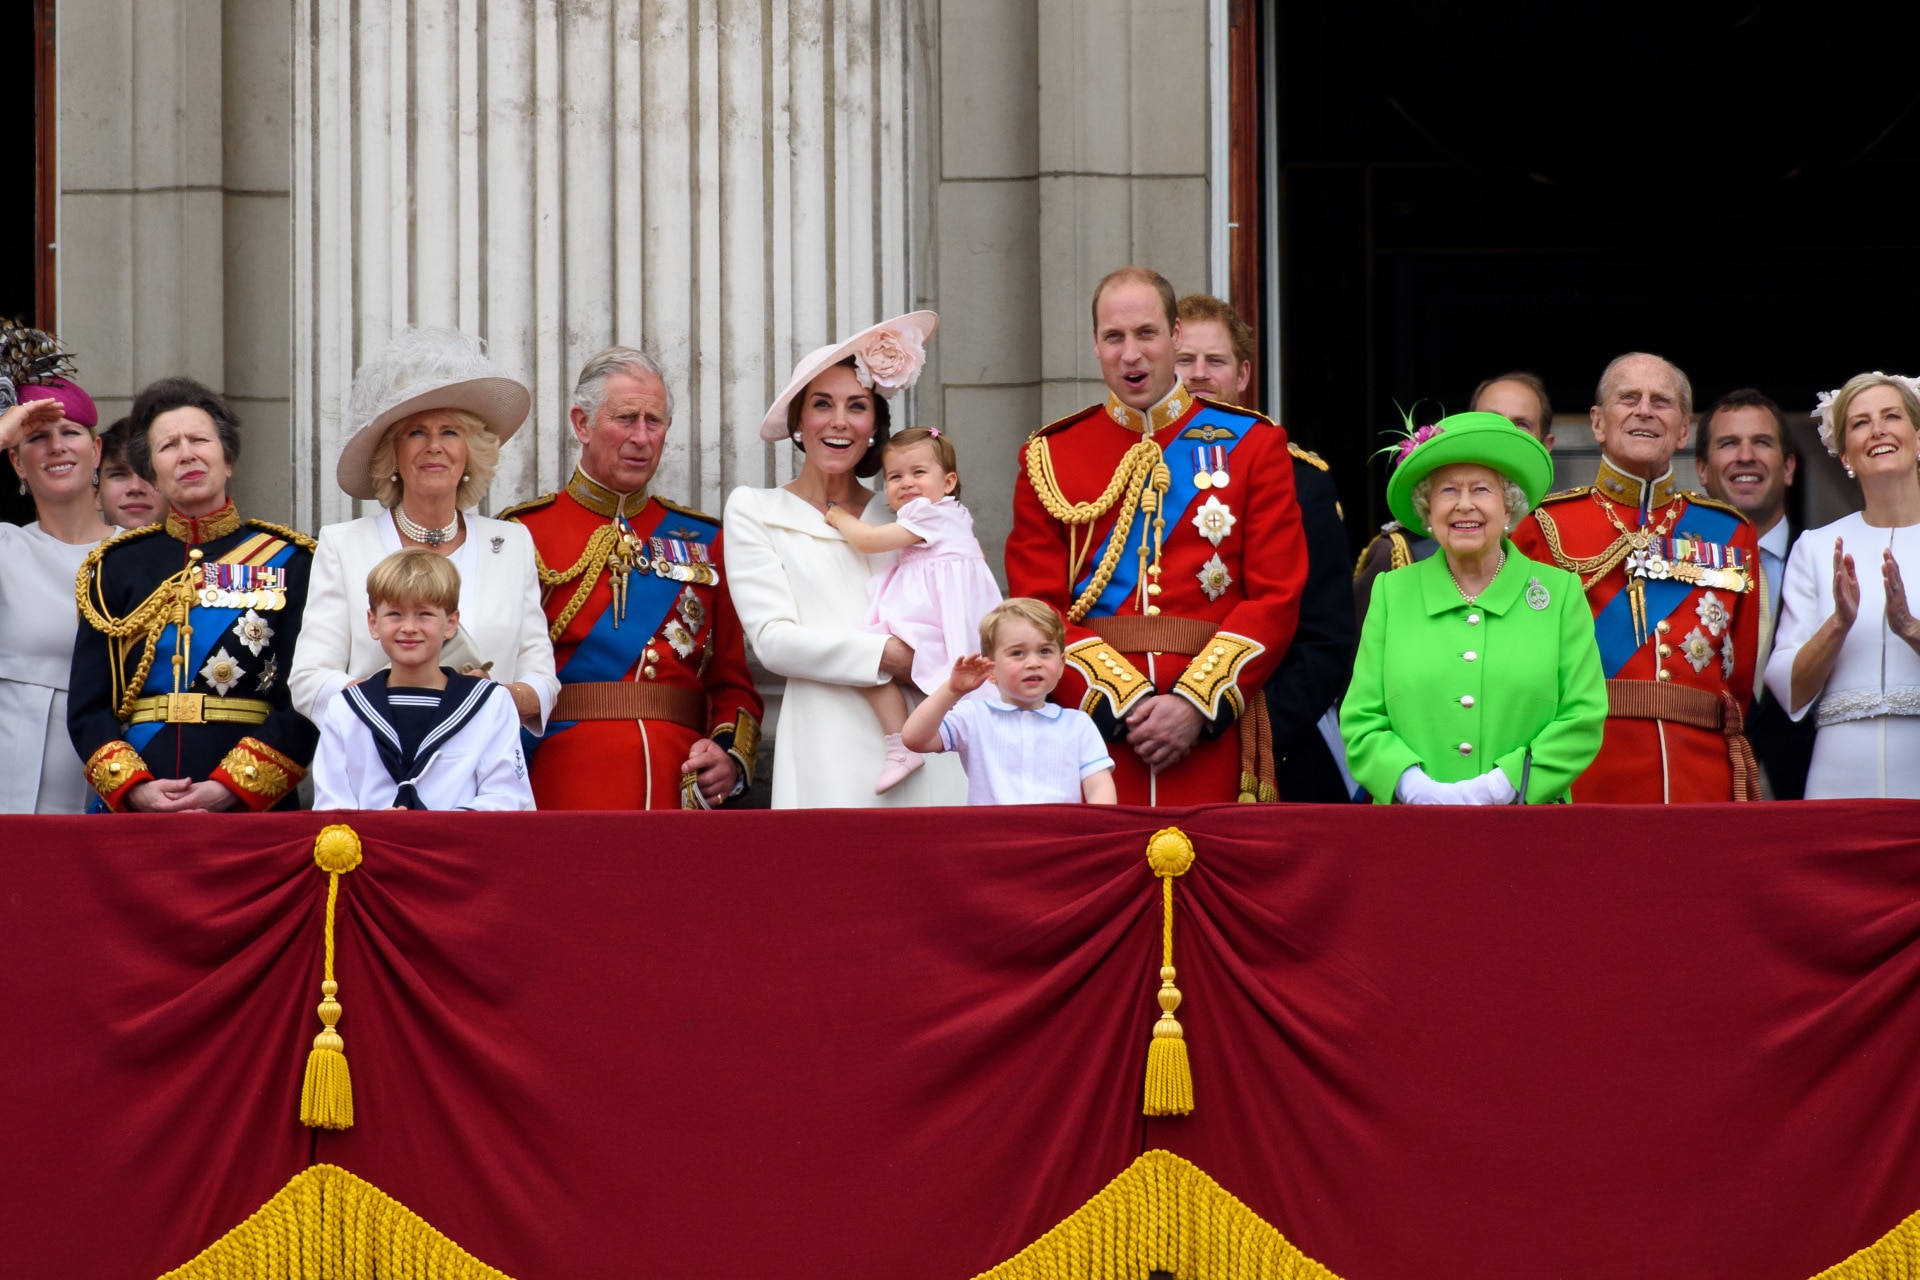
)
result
[(1494, 1043)]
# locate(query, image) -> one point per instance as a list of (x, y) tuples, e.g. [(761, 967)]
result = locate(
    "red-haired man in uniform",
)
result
[(1670, 577), (657, 709), (1165, 529)]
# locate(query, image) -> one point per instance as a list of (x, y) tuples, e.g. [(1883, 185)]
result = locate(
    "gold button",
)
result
[(653, 654), (1153, 588), (1219, 651), (1666, 675), (252, 772), (1466, 748), (1126, 677), (114, 767), (1153, 611), (196, 554), (1666, 650), (1466, 700), (1471, 656), (1663, 626), (649, 671), (1473, 619)]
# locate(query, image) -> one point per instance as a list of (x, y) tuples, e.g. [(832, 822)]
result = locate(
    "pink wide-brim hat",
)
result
[(920, 324)]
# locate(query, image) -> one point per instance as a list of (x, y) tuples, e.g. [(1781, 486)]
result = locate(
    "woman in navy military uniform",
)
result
[(178, 697)]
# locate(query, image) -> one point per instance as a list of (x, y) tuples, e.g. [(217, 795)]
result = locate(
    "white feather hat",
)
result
[(897, 347), (424, 369)]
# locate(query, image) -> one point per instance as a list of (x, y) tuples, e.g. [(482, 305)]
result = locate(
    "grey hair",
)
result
[(1600, 392), (1512, 494), (590, 392)]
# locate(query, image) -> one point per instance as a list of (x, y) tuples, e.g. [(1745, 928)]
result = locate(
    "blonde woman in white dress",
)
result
[(50, 439), (801, 589), (1847, 649), (432, 412)]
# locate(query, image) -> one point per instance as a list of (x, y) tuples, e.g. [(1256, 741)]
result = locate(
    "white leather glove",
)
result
[(1491, 787), (1415, 787)]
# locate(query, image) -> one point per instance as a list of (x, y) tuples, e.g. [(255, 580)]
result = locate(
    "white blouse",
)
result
[(801, 592), (500, 615), (39, 770)]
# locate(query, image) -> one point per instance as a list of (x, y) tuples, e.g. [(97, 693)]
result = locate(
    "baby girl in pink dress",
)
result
[(934, 593)]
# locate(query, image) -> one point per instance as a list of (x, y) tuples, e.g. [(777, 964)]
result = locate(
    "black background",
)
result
[(16, 201), (1467, 190)]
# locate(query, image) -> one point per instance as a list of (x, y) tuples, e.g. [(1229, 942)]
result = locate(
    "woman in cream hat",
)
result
[(432, 412), (801, 590)]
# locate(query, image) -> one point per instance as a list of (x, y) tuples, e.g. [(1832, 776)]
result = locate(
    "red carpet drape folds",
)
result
[(1577, 1043)]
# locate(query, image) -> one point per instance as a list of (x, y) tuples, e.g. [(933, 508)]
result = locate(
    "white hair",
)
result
[(1514, 496), (590, 392), (1603, 393)]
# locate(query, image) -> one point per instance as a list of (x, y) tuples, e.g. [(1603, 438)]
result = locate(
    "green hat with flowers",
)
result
[(1484, 438)]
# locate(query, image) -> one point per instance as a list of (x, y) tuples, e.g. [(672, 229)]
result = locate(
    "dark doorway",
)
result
[(1465, 190), (20, 101)]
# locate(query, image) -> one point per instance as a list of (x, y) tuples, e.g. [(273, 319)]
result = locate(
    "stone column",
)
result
[(722, 182)]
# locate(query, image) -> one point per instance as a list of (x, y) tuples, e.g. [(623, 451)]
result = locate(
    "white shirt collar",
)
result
[(1048, 710), (1774, 541)]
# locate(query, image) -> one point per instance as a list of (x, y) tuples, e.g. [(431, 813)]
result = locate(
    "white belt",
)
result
[(1866, 704)]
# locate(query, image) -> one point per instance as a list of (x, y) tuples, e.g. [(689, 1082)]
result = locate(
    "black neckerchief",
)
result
[(460, 702)]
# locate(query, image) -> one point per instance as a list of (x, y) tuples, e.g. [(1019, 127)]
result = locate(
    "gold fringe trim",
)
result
[(327, 1223), (1894, 1256), (1161, 1214)]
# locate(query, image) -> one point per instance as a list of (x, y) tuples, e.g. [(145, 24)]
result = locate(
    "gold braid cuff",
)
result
[(258, 774), (741, 740), (1108, 675), (1139, 483), (1214, 674), (113, 769)]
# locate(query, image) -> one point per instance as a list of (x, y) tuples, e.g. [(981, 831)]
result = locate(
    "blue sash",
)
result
[(1613, 625), (1180, 496), (609, 652), (210, 626)]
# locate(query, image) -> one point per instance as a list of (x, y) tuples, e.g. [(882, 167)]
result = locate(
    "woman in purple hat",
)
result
[(47, 431)]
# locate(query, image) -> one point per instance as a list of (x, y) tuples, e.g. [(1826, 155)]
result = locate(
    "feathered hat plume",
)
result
[(28, 355)]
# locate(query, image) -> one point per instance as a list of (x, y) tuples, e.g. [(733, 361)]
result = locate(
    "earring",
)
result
[(395, 477), (23, 487), (1850, 473), (467, 477)]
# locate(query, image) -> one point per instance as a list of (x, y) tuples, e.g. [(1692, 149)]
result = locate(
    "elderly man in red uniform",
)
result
[(656, 709), (1671, 580), (1164, 528)]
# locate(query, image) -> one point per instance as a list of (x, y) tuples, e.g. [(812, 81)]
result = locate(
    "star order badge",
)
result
[(223, 671), (253, 631), (1698, 649), (269, 673), (691, 610), (1214, 520), (1214, 578), (1713, 613), (679, 637)]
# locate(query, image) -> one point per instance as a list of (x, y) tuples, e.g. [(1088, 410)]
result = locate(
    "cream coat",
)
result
[(500, 616), (801, 593)]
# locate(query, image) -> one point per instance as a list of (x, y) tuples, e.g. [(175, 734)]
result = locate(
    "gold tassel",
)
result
[(1169, 1089), (326, 1096)]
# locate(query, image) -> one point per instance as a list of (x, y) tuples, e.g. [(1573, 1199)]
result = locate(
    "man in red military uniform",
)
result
[(657, 709), (1671, 579), (1165, 529)]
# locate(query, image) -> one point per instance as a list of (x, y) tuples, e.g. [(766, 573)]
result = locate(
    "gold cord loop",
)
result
[(1139, 482)]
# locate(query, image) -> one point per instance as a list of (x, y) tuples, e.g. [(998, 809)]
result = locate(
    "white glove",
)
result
[(1415, 787), (1490, 787)]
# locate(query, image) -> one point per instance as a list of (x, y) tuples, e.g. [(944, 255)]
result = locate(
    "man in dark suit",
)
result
[(1740, 447), (1214, 354)]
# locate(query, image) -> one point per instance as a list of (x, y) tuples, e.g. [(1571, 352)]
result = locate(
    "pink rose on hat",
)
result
[(892, 360)]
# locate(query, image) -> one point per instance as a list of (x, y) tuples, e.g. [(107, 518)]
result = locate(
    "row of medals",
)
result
[(261, 598)]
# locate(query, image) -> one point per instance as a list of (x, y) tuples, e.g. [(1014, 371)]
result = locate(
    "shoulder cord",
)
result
[(600, 552), (169, 602), (1138, 483), (1590, 569)]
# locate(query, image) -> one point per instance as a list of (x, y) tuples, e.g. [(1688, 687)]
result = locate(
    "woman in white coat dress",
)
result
[(1847, 649), (801, 590), (49, 437), (433, 413)]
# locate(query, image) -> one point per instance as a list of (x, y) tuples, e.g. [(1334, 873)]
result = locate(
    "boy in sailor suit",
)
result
[(417, 736)]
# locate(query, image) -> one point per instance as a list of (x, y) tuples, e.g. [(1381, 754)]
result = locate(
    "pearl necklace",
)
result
[(1497, 566), (420, 533)]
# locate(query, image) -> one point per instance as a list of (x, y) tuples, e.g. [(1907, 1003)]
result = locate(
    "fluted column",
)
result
[(722, 182)]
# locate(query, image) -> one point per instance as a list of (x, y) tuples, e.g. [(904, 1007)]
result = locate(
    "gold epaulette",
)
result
[(1240, 409), (93, 557), (1399, 550), (294, 536), (1578, 491), (695, 512), (1060, 423), (1308, 456), (532, 504), (1702, 500)]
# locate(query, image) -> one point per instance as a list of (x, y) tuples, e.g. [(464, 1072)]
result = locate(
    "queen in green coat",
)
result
[(1478, 679)]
